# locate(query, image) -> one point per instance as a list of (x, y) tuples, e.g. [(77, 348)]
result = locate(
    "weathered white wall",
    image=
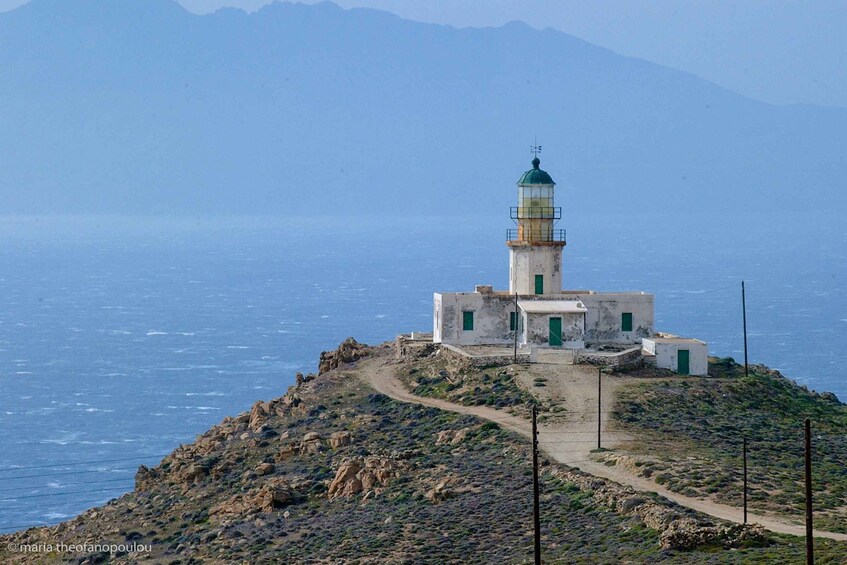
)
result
[(437, 317), (649, 346), (603, 319), (538, 329), (491, 318), (667, 354), (527, 261)]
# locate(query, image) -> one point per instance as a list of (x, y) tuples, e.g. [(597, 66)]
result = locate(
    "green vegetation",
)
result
[(484, 514), (462, 383), (692, 430)]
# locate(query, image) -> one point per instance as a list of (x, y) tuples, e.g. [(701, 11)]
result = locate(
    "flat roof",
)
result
[(689, 340), (551, 306)]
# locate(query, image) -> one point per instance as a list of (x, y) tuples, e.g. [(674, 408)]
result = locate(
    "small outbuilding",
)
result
[(682, 355)]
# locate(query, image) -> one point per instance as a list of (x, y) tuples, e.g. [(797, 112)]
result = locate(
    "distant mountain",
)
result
[(141, 107)]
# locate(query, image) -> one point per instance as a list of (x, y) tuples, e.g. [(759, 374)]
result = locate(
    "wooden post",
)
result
[(536, 509), (810, 540), (516, 327), (744, 314), (599, 404), (745, 481)]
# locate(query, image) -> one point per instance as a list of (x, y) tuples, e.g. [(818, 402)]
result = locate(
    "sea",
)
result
[(123, 337)]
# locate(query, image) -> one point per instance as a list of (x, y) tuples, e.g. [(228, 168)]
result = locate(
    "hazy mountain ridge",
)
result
[(135, 107)]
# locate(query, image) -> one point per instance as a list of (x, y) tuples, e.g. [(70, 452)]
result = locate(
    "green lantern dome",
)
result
[(535, 175)]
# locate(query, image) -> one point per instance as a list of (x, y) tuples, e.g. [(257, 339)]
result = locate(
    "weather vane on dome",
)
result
[(535, 149)]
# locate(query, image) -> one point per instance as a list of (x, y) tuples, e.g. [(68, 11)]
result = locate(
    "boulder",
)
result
[(345, 474), (349, 351), (339, 439), (440, 492), (286, 451), (452, 437), (274, 495), (145, 478), (270, 496), (264, 468), (233, 505), (192, 474), (311, 443), (258, 415)]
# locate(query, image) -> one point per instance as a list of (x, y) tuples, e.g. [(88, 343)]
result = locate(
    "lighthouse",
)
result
[(535, 246), (537, 311)]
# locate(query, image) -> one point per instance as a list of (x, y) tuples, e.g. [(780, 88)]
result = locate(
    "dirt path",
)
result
[(571, 442)]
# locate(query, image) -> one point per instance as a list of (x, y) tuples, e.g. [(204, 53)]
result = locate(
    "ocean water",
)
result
[(121, 338)]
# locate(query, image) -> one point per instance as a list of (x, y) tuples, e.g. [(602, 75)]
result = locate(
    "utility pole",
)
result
[(599, 404), (810, 540), (516, 327), (745, 481), (744, 314), (536, 509)]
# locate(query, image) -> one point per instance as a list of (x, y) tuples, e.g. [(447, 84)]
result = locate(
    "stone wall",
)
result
[(486, 360), (625, 359)]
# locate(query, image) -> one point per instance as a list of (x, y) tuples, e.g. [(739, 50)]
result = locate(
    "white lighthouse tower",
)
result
[(536, 311), (535, 247)]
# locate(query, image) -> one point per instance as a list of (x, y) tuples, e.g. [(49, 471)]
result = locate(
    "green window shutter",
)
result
[(626, 322), (467, 321), (539, 284), (513, 319)]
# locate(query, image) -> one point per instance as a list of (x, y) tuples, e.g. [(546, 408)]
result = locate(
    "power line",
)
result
[(81, 463), (69, 484), (14, 498), (85, 502), (65, 473)]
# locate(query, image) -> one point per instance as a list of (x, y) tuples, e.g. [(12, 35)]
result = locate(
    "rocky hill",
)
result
[(332, 472)]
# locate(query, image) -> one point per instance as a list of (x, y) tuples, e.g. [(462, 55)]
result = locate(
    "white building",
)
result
[(679, 354), (536, 310)]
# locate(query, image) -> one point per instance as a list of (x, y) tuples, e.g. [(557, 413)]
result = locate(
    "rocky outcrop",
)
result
[(441, 491), (191, 474), (452, 437), (349, 351), (145, 478), (366, 475), (270, 496), (346, 482), (259, 414)]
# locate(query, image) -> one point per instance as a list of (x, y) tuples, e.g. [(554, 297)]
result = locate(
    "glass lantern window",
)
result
[(535, 197)]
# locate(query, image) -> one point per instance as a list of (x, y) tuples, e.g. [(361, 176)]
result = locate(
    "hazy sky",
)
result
[(780, 51)]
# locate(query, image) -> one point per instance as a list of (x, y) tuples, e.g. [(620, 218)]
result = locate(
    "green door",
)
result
[(539, 284), (555, 339), (682, 362)]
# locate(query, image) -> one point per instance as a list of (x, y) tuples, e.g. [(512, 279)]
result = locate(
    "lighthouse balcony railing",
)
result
[(545, 235), (536, 212)]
